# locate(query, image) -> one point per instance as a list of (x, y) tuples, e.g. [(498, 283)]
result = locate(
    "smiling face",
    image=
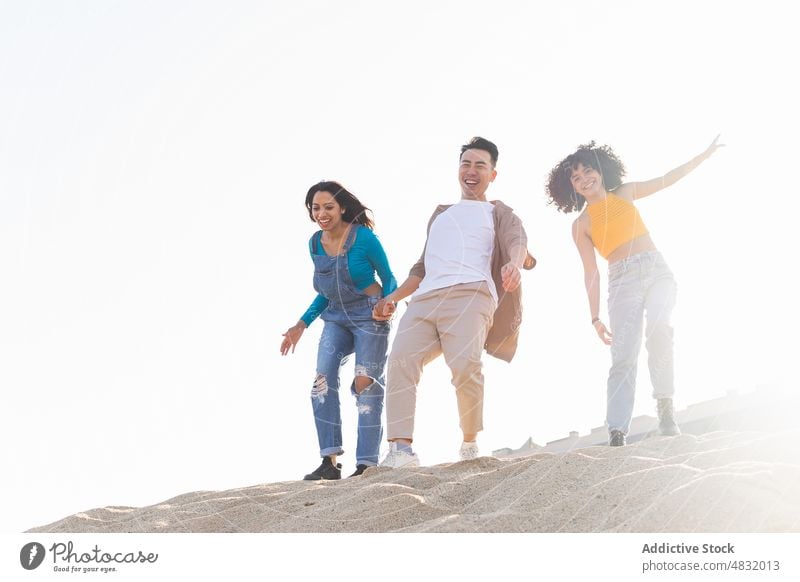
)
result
[(475, 173), (587, 181), (326, 211)]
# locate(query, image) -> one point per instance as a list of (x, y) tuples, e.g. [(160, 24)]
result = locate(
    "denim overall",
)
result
[(349, 328)]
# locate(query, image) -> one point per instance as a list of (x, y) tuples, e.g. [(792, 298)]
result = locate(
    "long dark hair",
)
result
[(601, 158), (354, 211)]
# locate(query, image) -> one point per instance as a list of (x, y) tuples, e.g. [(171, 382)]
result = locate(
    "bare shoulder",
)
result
[(581, 224), (626, 191), (581, 235)]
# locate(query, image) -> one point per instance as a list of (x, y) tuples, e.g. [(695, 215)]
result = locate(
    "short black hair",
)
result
[(480, 143)]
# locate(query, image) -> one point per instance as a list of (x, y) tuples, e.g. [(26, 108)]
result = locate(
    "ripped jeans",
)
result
[(345, 334)]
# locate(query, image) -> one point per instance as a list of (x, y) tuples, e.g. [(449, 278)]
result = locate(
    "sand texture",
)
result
[(717, 482)]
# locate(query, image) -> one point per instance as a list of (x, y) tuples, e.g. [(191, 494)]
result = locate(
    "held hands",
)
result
[(291, 337), (602, 332), (511, 277), (384, 310)]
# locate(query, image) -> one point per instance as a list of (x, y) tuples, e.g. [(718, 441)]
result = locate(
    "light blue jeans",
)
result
[(351, 332), (638, 285)]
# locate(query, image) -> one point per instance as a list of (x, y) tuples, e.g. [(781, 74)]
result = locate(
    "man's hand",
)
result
[(383, 310), (511, 277)]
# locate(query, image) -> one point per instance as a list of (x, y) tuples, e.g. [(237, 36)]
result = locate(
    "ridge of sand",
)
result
[(717, 482)]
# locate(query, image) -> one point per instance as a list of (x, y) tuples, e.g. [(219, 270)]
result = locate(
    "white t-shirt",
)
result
[(459, 249)]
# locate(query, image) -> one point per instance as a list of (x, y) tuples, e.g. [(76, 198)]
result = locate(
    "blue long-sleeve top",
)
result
[(365, 258)]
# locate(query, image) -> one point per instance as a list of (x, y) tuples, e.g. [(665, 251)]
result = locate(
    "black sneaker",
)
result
[(666, 418), (359, 469), (325, 471), (616, 439)]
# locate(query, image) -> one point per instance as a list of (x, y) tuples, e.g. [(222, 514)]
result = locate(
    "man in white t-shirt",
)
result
[(470, 266)]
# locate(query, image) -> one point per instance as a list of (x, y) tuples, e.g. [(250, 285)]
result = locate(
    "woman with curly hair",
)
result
[(347, 256), (639, 281)]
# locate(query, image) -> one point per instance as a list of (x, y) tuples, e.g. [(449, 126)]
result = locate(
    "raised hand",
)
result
[(713, 147)]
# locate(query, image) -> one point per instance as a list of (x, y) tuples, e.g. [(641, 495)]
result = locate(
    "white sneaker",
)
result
[(468, 451), (397, 458)]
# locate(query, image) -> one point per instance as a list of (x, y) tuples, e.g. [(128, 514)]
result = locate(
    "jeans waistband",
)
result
[(639, 259), (366, 302)]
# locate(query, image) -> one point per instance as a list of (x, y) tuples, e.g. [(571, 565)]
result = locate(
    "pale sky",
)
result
[(154, 158)]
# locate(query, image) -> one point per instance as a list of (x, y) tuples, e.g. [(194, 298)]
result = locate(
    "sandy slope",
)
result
[(718, 482)]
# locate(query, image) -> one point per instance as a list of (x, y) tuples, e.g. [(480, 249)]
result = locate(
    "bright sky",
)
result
[(154, 158)]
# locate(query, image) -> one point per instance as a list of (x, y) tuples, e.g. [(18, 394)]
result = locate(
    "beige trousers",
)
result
[(454, 322)]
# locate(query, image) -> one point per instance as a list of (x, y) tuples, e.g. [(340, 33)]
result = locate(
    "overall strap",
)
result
[(314, 242), (351, 237)]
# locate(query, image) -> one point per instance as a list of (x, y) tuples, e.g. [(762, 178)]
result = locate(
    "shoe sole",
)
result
[(414, 463)]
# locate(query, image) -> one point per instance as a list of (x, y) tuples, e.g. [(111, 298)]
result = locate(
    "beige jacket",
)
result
[(501, 342)]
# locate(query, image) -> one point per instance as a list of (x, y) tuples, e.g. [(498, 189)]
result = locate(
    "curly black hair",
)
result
[(354, 211), (601, 158)]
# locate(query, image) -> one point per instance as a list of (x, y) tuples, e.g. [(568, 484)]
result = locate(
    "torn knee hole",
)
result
[(363, 381), (320, 386)]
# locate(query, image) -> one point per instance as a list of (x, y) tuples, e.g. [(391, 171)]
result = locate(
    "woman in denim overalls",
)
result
[(639, 280), (346, 256)]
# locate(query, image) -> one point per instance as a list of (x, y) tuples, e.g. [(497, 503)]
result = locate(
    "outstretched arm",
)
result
[(591, 279), (636, 190)]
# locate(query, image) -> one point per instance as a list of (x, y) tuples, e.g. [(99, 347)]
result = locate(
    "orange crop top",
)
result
[(614, 222)]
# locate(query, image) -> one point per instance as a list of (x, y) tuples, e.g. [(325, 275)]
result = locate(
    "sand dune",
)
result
[(717, 482)]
